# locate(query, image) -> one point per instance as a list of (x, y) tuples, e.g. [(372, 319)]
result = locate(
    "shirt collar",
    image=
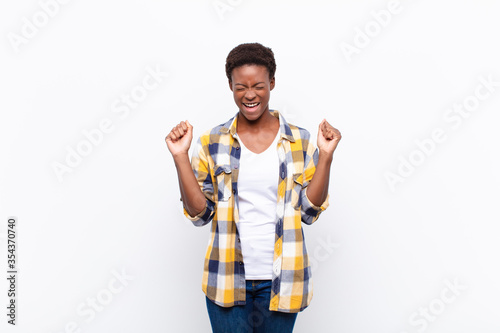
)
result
[(285, 132)]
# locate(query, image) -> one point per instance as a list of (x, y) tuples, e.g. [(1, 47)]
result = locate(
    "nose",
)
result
[(250, 94)]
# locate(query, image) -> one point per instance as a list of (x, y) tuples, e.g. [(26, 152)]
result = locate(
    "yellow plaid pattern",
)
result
[(215, 163)]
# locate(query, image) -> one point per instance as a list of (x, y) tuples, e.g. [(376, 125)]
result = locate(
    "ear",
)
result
[(230, 84), (271, 83)]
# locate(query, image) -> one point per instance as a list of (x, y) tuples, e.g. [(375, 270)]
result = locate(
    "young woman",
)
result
[(257, 178)]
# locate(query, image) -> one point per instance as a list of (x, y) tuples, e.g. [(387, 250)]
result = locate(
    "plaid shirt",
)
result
[(215, 162)]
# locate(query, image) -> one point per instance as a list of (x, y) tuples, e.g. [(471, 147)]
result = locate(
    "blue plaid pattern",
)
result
[(215, 163)]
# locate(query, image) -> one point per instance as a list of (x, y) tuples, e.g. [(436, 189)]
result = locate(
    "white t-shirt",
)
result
[(257, 192)]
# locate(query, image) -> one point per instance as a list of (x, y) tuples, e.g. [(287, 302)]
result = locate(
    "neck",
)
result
[(265, 121)]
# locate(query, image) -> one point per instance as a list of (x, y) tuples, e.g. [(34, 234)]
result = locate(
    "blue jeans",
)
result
[(254, 317)]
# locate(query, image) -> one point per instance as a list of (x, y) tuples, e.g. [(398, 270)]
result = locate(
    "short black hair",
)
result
[(250, 54)]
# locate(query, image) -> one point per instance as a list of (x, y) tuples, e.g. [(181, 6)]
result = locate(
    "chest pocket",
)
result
[(222, 176)]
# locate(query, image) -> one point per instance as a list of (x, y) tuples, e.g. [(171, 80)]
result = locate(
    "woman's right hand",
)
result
[(178, 142), (179, 139)]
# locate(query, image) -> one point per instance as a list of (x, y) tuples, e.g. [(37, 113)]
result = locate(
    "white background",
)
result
[(118, 210)]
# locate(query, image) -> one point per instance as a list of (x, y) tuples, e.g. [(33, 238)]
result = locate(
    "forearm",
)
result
[(317, 190), (193, 199)]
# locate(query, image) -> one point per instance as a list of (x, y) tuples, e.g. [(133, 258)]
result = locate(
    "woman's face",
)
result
[(251, 89)]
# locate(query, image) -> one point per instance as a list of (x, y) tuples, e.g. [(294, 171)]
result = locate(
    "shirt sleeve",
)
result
[(200, 166), (309, 211)]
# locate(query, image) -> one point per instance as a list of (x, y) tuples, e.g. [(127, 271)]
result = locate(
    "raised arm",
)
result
[(178, 142), (328, 138)]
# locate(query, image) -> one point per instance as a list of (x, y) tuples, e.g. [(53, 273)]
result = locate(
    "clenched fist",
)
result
[(328, 137), (179, 139)]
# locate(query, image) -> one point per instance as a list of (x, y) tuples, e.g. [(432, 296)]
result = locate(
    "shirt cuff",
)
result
[(197, 217), (309, 204), (202, 217)]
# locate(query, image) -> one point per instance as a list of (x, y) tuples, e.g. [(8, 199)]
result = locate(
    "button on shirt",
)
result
[(215, 162)]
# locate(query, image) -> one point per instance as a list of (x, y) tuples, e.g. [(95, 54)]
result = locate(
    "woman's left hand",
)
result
[(328, 138)]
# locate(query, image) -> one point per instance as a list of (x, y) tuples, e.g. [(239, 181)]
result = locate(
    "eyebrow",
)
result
[(244, 85)]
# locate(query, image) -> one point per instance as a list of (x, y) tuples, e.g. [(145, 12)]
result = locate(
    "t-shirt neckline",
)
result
[(264, 151)]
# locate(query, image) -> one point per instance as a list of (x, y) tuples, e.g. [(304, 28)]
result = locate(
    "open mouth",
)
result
[(251, 106)]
